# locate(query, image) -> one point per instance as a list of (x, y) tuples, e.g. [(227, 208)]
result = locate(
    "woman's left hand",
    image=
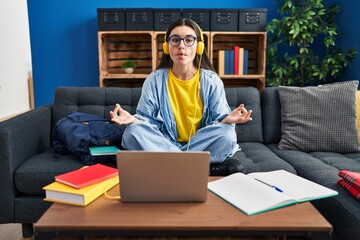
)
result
[(238, 115)]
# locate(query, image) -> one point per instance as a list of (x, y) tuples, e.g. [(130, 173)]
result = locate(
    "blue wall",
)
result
[(64, 44), (64, 38), (349, 35)]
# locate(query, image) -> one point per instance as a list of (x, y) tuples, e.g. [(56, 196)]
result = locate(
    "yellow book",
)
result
[(241, 61), (221, 64), (58, 192)]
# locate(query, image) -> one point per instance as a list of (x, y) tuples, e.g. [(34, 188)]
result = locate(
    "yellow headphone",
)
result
[(200, 44)]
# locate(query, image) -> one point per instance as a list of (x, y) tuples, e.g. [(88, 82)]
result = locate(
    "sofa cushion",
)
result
[(270, 110), (39, 171), (321, 118), (256, 157), (250, 131)]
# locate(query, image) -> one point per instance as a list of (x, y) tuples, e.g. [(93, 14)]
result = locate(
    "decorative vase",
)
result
[(129, 70)]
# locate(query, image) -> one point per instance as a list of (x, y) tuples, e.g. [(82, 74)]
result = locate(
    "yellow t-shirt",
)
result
[(186, 104)]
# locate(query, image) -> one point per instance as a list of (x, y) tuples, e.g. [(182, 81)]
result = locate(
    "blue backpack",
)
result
[(76, 132)]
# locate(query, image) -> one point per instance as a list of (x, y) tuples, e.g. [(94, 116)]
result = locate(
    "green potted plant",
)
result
[(305, 26), (129, 66)]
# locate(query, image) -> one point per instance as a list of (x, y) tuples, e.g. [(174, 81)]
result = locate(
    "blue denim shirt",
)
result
[(154, 104)]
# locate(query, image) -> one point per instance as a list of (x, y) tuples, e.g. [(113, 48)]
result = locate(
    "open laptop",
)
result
[(163, 176)]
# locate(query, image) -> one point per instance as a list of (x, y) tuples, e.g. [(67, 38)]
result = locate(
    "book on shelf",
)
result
[(87, 176), (236, 60), (241, 61), (246, 62), (61, 193), (221, 62), (231, 62), (228, 62), (103, 150), (264, 191)]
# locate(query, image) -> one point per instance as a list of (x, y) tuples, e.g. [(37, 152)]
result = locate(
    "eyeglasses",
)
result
[(176, 40)]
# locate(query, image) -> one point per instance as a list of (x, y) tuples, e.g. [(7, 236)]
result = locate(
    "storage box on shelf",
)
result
[(252, 19), (145, 48), (139, 19), (164, 17), (200, 16), (111, 19), (225, 20)]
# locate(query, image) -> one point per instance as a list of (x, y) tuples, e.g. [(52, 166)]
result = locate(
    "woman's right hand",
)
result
[(120, 116), (238, 115)]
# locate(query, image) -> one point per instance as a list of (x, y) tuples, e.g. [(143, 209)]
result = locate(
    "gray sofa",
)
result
[(27, 163)]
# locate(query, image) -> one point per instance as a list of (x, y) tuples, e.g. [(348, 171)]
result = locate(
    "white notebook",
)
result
[(263, 191)]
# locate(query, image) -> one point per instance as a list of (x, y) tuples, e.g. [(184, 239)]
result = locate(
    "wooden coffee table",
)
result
[(214, 218)]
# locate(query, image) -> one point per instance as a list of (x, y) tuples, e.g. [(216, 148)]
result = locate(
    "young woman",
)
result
[(183, 105)]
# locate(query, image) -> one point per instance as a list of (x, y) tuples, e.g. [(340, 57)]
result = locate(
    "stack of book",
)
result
[(82, 186), (351, 182), (233, 62)]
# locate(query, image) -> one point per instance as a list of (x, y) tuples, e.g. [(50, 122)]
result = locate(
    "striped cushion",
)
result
[(320, 118)]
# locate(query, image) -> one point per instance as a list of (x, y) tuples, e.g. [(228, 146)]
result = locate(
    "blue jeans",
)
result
[(219, 139)]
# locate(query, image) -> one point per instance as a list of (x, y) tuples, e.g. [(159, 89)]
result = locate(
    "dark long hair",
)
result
[(166, 61)]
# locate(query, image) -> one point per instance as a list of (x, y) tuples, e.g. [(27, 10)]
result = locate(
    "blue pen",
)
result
[(274, 187)]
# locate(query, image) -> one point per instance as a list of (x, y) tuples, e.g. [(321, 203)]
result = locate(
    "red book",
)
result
[(352, 177), (351, 189), (87, 176), (236, 60)]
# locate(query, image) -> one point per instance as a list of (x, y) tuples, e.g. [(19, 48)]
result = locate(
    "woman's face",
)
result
[(183, 54)]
